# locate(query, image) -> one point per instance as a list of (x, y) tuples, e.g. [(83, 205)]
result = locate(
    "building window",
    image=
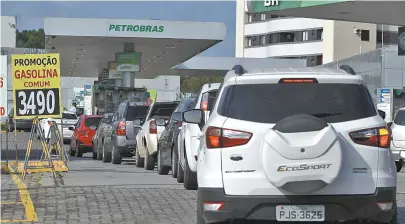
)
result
[(262, 40), (274, 38), (262, 16), (390, 38), (286, 37), (365, 35), (314, 60), (255, 17)]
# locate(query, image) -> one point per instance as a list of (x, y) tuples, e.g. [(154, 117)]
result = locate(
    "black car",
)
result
[(167, 155)]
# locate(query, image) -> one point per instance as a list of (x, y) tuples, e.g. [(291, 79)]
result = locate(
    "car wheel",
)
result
[(175, 162), (116, 157), (99, 154), (161, 169), (71, 152), (106, 155), (399, 165), (190, 177), (180, 172), (139, 160), (78, 153), (149, 161)]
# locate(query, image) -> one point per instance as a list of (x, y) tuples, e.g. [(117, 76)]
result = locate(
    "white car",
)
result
[(69, 119), (294, 145), (149, 133), (398, 138), (188, 140)]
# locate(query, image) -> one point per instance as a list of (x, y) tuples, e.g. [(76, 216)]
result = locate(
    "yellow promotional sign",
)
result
[(36, 85)]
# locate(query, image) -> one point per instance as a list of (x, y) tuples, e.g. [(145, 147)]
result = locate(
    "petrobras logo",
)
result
[(401, 40), (303, 167)]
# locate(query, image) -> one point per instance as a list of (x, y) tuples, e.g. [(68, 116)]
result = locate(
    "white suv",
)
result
[(398, 138), (294, 145), (189, 140)]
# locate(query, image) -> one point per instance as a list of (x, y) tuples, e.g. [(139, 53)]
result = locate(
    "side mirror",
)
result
[(71, 128), (389, 124), (193, 116), (160, 122), (177, 116), (382, 114)]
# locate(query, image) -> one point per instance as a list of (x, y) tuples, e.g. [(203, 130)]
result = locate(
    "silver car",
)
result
[(101, 132)]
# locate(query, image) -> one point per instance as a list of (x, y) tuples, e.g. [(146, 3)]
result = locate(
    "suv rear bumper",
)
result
[(337, 207)]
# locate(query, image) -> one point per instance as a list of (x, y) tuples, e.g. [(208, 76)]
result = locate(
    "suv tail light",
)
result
[(300, 80), (121, 129), (378, 137), (204, 102), (180, 123), (223, 138), (152, 127)]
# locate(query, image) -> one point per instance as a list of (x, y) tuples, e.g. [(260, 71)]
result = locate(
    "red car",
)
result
[(83, 132)]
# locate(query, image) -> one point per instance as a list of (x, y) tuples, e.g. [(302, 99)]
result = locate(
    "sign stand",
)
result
[(55, 145), (45, 150)]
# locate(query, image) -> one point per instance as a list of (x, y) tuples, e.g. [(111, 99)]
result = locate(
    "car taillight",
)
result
[(377, 137), (223, 138), (301, 80), (49, 122), (152, 127), (121, 128), (180, 123), (204, 105)]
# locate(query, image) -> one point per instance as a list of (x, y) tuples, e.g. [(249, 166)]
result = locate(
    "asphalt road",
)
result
[(94, 192)]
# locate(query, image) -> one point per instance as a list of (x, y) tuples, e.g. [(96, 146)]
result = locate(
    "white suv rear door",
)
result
[(250, 164), (398, 130)]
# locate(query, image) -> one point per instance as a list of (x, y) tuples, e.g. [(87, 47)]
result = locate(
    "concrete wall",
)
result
[(8, 31), (240, 28)]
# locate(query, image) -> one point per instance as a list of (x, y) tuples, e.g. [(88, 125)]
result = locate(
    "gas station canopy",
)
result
[(376, 12), (87, 45)]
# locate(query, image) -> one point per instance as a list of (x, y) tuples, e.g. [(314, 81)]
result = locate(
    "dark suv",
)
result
[(120, 140)]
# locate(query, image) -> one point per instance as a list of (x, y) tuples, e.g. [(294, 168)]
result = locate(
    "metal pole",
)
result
[(61, 126)]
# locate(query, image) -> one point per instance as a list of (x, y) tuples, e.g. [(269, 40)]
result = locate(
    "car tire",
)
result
[(139, 160), (175, 162), (78, 153), (399, 165), (106, 156), (149, 163), (99, 155), (190, 177), (180, 172), (161, 169), (116, 157)]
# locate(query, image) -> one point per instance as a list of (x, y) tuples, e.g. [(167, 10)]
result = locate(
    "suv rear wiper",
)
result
[(326, 114)]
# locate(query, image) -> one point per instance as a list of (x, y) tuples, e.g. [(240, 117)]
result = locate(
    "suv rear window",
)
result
[(92, 121), (400, 118), (163, 110), (69, 116), (135, 112), (269, 103)]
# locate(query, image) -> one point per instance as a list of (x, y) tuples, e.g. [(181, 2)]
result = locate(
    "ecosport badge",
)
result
[(303, 167)]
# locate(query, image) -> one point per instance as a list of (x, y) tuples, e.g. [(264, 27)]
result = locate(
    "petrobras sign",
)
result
[(401, 41), (3, 86)]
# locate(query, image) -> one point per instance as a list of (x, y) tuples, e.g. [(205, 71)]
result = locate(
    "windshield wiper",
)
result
[(326, 114)]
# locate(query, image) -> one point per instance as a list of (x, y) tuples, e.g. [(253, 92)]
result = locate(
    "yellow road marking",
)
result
[(10, 202), (25, 200), (17, 220)]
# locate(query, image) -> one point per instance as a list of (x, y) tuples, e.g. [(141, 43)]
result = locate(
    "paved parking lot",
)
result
[(93, 192)]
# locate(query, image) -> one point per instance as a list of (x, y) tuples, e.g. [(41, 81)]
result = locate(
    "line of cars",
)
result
[(287, 146)]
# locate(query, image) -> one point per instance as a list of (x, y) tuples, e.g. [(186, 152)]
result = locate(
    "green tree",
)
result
[(31, 39), (193, 84)]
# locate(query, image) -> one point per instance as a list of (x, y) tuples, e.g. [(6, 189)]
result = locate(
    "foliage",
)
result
[(193, 84), (31, 39)]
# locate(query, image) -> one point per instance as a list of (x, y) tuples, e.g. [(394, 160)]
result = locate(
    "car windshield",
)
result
[(69, 116), (92, 121), (135, 112), (269, 103), (400, 118)]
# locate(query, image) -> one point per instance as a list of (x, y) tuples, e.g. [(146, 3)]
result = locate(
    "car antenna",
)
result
[(347, 69)]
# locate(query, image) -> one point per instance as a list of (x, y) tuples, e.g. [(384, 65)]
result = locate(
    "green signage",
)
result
[(128, 61), (136, 28), (276, 5)]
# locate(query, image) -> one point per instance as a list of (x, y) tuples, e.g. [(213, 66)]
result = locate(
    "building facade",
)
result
[(263, 35)]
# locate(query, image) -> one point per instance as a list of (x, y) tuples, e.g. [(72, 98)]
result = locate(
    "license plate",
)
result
[(300, 213)]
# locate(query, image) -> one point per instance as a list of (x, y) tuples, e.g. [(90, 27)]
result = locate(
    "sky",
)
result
[(31, 14)]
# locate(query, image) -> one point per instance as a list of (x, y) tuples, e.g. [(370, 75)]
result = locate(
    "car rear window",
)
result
[(269, 103), (92, 121), (135, 112), (164, 110), (69, 116), (400, 117)]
